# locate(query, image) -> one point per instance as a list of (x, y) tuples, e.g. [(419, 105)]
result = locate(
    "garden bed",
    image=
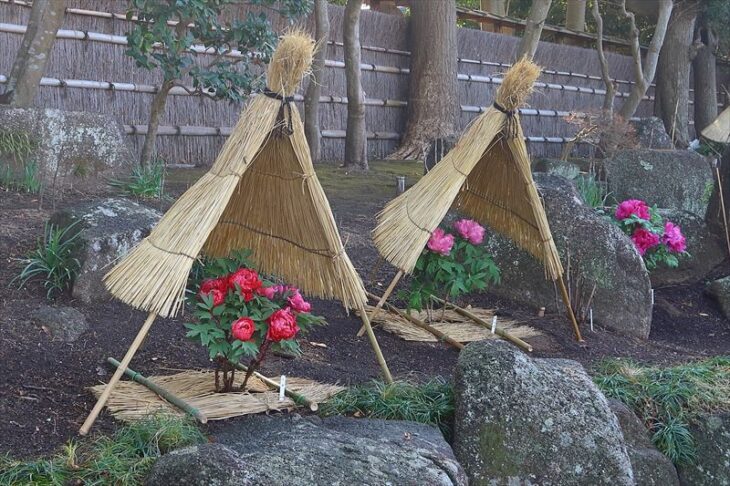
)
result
[(44, 394)]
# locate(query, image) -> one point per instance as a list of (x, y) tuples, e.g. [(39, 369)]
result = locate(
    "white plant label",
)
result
[(494, 324), (282, 388), (590, 313)]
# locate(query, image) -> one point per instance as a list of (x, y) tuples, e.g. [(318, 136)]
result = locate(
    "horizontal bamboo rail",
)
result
[(168, 396)]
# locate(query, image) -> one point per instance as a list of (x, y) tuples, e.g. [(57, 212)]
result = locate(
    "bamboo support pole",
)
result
[(500, 332), (417, 322), (298, 398), (569, 309), (117, 374), (374, 344), (722, 206), (382, 300), (168, 396)]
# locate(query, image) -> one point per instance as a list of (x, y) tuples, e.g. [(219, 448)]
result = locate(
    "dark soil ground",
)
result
[(43, 383)]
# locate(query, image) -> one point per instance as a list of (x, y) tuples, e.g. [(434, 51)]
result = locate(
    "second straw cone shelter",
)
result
[(262, 193), (486, 176)]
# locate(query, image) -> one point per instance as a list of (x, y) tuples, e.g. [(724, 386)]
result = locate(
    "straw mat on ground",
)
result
[(262, 193), (486, 176), (131, 401), (450, 323)]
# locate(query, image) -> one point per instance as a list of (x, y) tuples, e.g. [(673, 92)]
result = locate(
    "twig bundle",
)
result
[(261, 193), (132, 401), (487, 176)]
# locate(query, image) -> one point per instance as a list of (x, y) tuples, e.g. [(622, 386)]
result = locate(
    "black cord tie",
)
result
[(511, 126), (283, 126)]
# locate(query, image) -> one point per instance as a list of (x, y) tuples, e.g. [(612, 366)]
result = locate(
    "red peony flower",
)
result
[(298, 304), (267, 292), (282, 325), (644, 240), (214, 283), (243, 329), (218, 296), (247, 281), (633, 206)]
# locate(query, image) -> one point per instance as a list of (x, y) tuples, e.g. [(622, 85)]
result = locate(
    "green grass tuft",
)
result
[(145, 182), (667, 399), (428, 403), (121, 459)]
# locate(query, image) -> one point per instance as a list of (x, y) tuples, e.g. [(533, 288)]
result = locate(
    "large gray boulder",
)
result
[(290, 450), (72, 149), (109, 229), (651, 134), (711, 434), (520, 420), (720, 290), (64, 323), (599, 254), (651, 467), (670, 179), (200, 465), (706, 250)]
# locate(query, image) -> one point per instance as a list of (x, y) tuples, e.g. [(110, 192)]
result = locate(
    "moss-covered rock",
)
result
[(533, 421), (720, 290), (711, 434)]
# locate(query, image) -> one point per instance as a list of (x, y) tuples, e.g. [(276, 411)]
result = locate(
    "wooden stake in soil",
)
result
[(382, 300), (298, 398), (569, 308), (117, 374), (175, 400), (374, 343), (722, 204)]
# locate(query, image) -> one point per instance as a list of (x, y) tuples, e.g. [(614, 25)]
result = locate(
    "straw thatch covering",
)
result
[(262, 193), (719, 130), (487, 176), (450, 323), (132, 401)]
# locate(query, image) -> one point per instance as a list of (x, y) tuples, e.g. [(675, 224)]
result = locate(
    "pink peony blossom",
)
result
[(644, 240), (440, 242), (470, 230), (673, 238), (298, 304), (632, 206), (267, 292)]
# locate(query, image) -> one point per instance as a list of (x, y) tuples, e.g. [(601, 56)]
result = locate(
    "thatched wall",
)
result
[(102, 61)]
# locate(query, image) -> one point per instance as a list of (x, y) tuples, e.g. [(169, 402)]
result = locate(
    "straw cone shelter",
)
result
[(719, 130), (262, 193), (487, 177)]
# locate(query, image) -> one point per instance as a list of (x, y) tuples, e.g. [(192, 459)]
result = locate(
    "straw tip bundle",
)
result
[(291, 61), (517, 84)]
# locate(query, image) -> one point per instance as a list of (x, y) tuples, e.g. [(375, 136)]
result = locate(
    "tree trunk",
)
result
[(533, 28), (156, 111), (314, 89), (644, 74), (356, 136), (705, 77), (432, 85), (575, 15), (672, 81), (46, 18), (610, 88), (496, 7)]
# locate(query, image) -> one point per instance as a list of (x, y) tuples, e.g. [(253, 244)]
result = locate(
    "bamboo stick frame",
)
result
[(297, 397), (722, 204), (167, 395), (382, 300)]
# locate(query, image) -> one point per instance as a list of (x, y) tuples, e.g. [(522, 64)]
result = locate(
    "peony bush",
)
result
[(453, 264), (656, 240), (240, 314)]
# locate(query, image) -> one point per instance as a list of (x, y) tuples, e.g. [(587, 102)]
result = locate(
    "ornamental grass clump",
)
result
[(453, 264), (241, 314), (657, 241)]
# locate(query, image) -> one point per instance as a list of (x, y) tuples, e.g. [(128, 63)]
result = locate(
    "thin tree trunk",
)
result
[(610, 88), (673, 69), (575, 15), (46, 18), (156, 111), (314, 89), (533, 28), (644, 74), (705, 76), (432, 85), (356, 136)]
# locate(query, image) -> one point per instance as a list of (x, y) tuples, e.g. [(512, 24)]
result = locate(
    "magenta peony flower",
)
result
[(298, 304), (644, 240), (632, 206), (267, 292), (440, 242), (673, 238), (470, 230)]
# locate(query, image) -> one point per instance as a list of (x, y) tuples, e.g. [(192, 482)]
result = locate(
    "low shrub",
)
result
[(145, 182), (667, 399)]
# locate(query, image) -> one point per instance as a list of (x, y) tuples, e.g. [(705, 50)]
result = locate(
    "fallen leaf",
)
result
[(318, 345), (704, 315)]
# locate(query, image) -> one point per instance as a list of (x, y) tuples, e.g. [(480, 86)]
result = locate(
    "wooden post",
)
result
[(117, 374), (419, 323), (722, 205), (571, 315), (382, 300), (374, 343), (168, 396)]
